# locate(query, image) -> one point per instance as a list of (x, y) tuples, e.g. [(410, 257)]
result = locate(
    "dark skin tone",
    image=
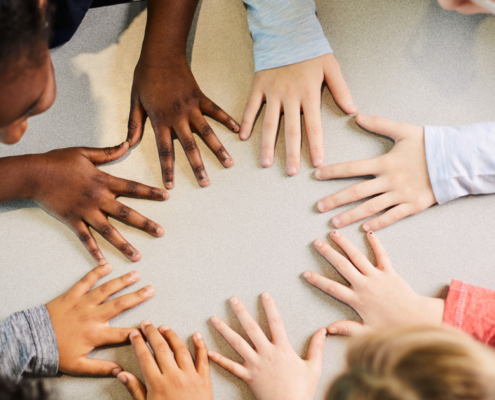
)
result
[(165, 91)]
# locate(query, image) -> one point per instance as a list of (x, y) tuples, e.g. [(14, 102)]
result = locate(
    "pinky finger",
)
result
[(231, 366), (88, 240), (381, 255), (252, 108), (133, 385), (393, 215)]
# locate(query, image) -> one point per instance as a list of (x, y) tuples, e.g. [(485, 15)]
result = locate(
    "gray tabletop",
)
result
[(252, 229)]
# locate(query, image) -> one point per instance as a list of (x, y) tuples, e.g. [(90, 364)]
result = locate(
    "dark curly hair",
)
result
[(24, 390), (23, 28)]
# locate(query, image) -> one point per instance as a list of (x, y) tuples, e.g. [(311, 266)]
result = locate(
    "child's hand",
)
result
[(80, 319), (69, 186), (380, 296), (272, 370), (292, 89), (402, 178), (179, 113), (171, 374)]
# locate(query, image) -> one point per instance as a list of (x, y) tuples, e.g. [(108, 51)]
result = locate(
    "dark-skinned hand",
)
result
[(67, 184)]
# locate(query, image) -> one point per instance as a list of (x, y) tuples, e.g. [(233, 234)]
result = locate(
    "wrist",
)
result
[(18, 177), (432, 310)]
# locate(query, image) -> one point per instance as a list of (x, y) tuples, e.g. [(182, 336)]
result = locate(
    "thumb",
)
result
[(337, 85), (96, 367), (107, 154), (347, 328), (134, 386), (137, 119), (394, 130), (316, 347)]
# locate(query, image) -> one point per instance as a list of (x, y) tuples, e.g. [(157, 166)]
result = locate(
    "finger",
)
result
[(365, 210), (250, 113), (269, 131), (211, 109), (204, 131), (110, 233), (334, 289), (349, 169), (102, 156), (182, 354), (137, 119), (292, 115), (275, 322), (112, 336), (353, 193), (201, 352), (103, 292), (314, 130), (187, 141), (133, 218), (89, 280), (96, 367), (146, 361), (123, 187), (316, 348), (117, 306), (347, 328), (231, 366), (250, 326), (87, 239), (358, 259), (161, 349), (234, 339), (382, 260), (341, 264), (165, 147), (388, 218), (385, 127), (133, 385), (338, 87)]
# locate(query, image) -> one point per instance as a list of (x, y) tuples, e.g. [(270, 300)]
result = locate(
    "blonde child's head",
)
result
[(420, 363)]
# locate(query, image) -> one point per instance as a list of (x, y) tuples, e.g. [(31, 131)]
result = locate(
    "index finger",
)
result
[(84, 285), (211, 109), (349, 169), (357, 258), (181, 352), (341, 264), (123, 187)]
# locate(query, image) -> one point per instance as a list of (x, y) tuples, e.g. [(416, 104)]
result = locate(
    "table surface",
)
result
[(252, 229)]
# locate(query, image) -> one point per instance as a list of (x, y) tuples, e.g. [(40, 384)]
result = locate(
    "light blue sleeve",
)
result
[(461, 160), (285, 32)]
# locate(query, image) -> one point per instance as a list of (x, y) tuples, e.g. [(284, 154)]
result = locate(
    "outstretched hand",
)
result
[(68, 185), (80, 319), (378, 294), (402, 180)]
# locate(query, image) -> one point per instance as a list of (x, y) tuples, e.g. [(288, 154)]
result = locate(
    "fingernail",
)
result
[(366, 227), (242, 135), (164, 194), (318, 162), (234, 300), (102, 261), (129, 140), (107, 267), (146, 322), (320, 206), (323, 332), (134, 254), (266, 162), (291, 170), (265, 295), (198, 336), (122, 378), (307, 274), (133, 276), (333, 330), (336, 222), (116, 371), (335, 233), (121, 145), (318, 174), (168, 184), (215, 320), (164, 328), (371, 233), (149, 290), (351, 105), (159, 231), (203, 180), (133, 334), (318, 243), (362, 117)]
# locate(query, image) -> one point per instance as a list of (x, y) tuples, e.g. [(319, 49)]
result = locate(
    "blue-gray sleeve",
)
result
[(28, 344), (285, 32), (461, 160)]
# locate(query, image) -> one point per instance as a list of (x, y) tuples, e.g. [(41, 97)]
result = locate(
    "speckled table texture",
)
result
[(251, 230)]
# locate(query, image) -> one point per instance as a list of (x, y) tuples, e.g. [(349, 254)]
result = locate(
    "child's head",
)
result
[(419, 363), (27, 81), (24, 390)]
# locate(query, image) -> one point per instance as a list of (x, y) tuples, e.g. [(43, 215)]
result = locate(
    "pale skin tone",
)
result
[(171, 373), (80, 319), (377, 293), (401, 183), (292, 90), (272, 369), (462, 6)]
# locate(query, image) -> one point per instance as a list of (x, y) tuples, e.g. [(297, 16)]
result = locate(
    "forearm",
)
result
[(28, 344), (16, 178)]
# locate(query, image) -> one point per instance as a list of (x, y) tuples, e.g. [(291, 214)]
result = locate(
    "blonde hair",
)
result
[(419, 363)]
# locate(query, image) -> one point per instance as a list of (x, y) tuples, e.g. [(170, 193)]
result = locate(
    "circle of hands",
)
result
[(270, 367)]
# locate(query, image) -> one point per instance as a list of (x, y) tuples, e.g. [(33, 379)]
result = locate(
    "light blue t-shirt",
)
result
[(285, 32)]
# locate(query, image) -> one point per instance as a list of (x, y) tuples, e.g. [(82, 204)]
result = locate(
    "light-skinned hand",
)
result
[(80, 319), (291, 90), (467, 6), (378, 294), (272, 369), (171, 373), (402, 180)]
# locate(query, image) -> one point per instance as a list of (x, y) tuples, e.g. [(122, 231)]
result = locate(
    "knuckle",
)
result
[(147, 224), (100, 179), (125, 248), (270, 126), (183, 350), (205, 131), (220, 151), (167, 171), (123, 212), (85, 238), (106, 229), (108, 151), (120, 304), (214, 108), (162, 348), (371, 207), (165, 151), (190, 145), (131, 187), (355, 192), (132, 125), (199, 169), (345, 92)]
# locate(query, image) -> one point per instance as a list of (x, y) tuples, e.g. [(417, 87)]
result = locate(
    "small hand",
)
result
[(73, 190), (292, 89), (380, 296), (169, 95), (80, 319), (272, 370), (171, 374), (402, 179)]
